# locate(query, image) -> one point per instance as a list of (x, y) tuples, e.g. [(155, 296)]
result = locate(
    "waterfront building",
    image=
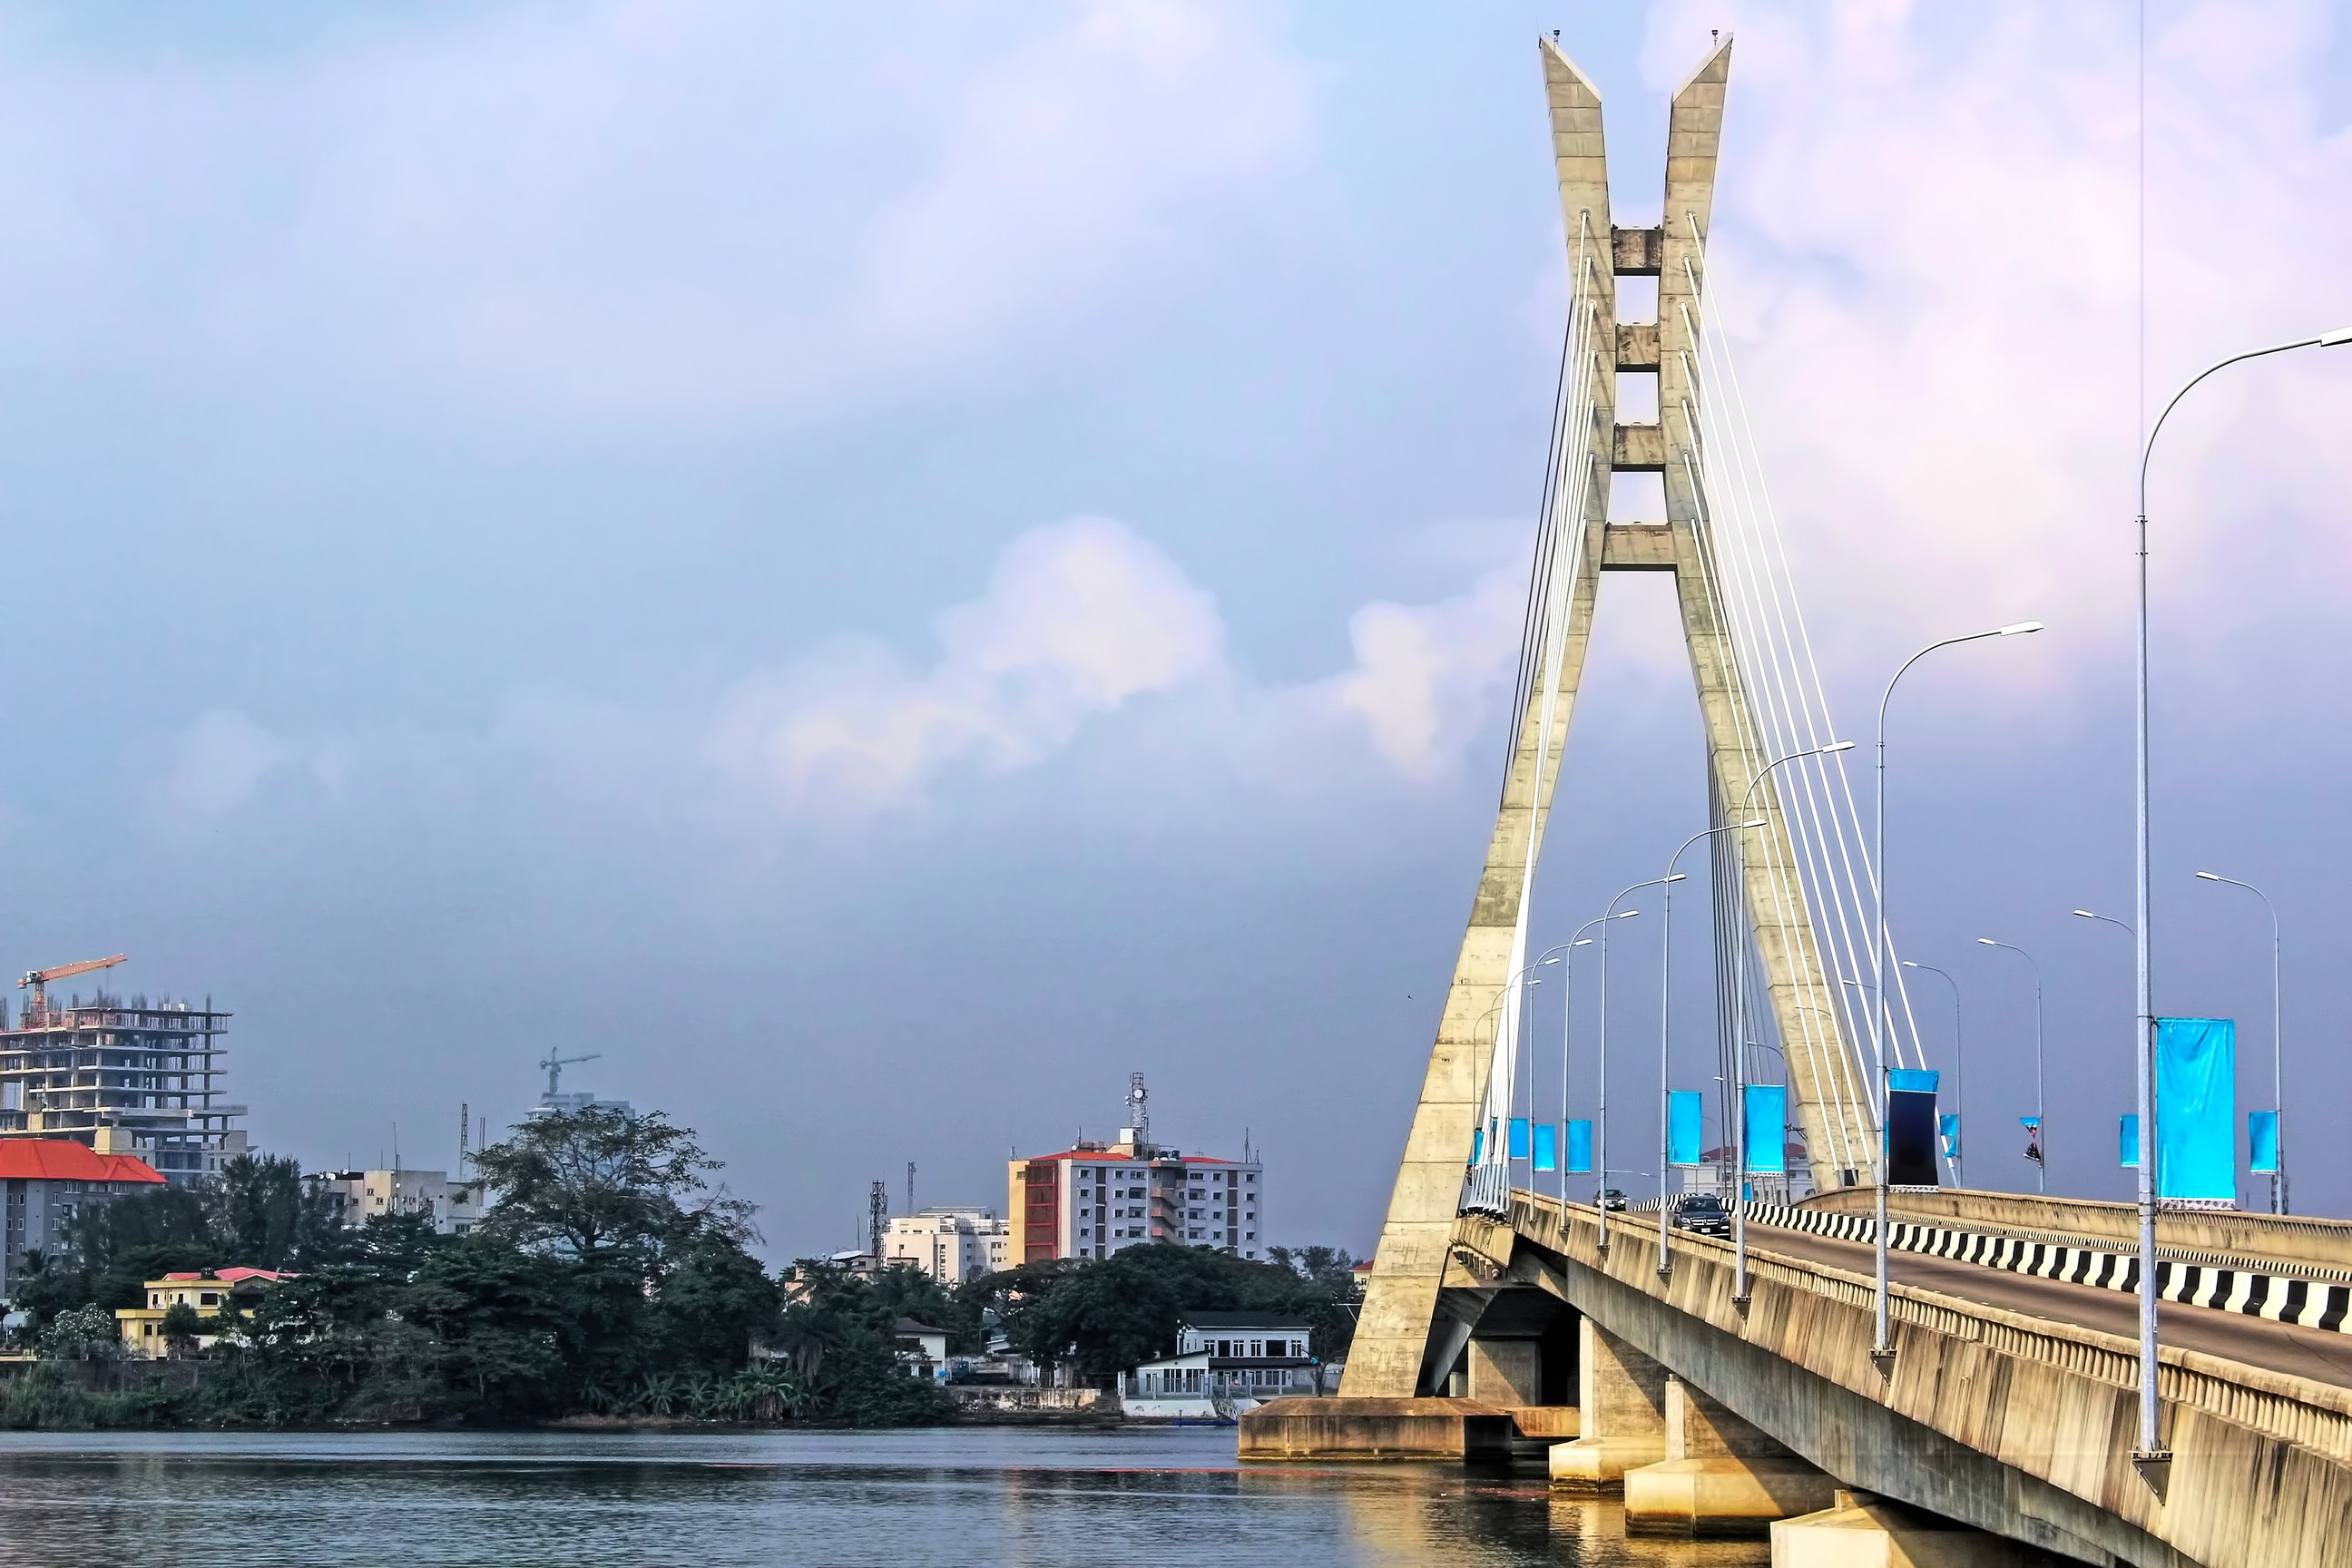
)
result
[(121, 1075), (1224, 1363), (45, 1184), (208, 1292), (922, 1349), (455, 1206), (1092, 1199), (950, 1245)]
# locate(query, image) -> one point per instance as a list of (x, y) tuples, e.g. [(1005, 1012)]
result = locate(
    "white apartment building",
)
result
[(455, 1206), (950, 1245), (1093, 1200)]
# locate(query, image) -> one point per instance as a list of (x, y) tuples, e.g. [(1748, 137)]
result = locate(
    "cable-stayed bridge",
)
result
[(1982, 1406)]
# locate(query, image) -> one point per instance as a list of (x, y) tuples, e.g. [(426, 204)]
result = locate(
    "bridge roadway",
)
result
[(2317, 1354), (2010, 1405)]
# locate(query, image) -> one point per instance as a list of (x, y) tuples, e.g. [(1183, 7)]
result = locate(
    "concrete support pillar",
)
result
[(1860, 1530), (1505, 1372), (1720, 1474), (1622, 1401)]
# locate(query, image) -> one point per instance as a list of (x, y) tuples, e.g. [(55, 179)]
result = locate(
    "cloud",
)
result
[(1078, 618), (1424, 674), (640, 208), (1925, 247), (215, 767)]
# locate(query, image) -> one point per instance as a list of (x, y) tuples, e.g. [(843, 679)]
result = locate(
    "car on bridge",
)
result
[(1704, 1214), (1612, 1198)]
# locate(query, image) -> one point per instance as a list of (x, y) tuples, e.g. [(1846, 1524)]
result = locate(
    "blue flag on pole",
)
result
[(1477, 1144), (1580, 1147), (2262, 1137), (1767, 1128), (1683, 1119), (1949, 1124), (2197, 1108), (2127, 1140), (1518, 1137), (1547, 1146)]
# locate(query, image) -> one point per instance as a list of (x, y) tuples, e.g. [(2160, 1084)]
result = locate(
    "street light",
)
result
[(1568, 996), (2144, 1045), (1666, 1004), (2278, 1037), (2110, 919), (1882, 1348), (1959, 1074), (2041, 1117), (1739, 1043), (1602, 1110)]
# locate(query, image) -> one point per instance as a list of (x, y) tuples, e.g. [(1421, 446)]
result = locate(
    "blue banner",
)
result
[(2127, 1140), (1949, 1125), (1580, 1147), (2197, 1108), (1518, 1137), (1477, 1144), (1913, 1081), (1684, 1115), (2262, 1137), (1547, 1146), (1767, 1127)]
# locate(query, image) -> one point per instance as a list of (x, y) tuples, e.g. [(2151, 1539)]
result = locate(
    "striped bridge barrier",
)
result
[(2306, 1303)]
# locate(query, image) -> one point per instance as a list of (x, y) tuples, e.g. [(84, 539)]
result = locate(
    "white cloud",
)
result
[(214, 767), (1925, 243), (1425, 674), (671, 208)]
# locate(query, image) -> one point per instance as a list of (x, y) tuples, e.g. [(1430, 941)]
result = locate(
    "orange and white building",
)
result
[(1094, 1199)]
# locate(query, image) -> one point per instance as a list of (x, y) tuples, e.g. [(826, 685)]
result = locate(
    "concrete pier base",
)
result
[(1341, 1428), (1860, 1530), (1621, 1398), (1720, 1474)]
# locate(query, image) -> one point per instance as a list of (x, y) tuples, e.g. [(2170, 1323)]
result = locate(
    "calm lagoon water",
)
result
[(1167, 1499)]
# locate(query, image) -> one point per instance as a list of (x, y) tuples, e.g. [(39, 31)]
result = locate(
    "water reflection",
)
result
[(1173, 1498)]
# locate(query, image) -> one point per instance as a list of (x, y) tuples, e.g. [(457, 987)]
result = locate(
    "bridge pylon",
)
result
[(1407, 1336)]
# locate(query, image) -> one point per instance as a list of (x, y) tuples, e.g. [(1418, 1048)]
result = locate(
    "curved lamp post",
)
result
[(2041, 1117), (1665, 1005), (1959, 1074), (2278, 1037), (1882, 1348), (1601, 1110), (2143, 1042)]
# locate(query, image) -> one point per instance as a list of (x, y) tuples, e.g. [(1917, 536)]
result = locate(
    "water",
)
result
[(1166, 1499)]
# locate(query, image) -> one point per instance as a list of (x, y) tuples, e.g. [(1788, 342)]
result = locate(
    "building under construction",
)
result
[(123, 1076)]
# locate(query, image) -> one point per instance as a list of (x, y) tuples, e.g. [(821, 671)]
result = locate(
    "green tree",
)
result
[(266, 1215), (579, 1181), (181, 1326), (712, 1301), (80, 1334)]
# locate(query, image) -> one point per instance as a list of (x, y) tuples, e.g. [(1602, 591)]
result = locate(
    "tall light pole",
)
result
[(1568, 996), (1882, 1349), (2278, 1037), (1666, 1006), (2144, 1044), (1602, 1110), (2106, 919), (1959, 1074), (2041, 1117), (1740, 1049)]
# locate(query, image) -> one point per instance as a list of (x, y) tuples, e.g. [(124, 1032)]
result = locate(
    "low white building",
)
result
[(455, 1206), (1225, 1364), (950, 1245)]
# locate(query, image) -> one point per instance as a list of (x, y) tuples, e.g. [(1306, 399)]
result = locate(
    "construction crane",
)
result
[(38, 979), (555, 1065)]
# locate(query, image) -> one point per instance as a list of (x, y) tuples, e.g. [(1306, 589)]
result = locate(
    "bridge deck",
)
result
[(2314, 1353)]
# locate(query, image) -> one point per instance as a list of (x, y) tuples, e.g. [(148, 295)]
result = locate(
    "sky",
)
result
[(880, 570)]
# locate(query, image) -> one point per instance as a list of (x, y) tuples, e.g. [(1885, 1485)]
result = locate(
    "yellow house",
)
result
[(208, 1292)]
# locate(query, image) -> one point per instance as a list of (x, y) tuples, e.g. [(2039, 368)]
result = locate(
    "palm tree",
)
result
[(700, 1392), (658, 1395)]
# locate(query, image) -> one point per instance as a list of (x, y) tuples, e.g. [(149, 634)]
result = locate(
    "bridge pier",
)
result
[(1860, 1530), (1621, 1397), (1720, 1474)]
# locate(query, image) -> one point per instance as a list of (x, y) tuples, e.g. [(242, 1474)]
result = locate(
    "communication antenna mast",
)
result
[(911, 1187), (878, 1209), (464, 1133), (1138, 1113)]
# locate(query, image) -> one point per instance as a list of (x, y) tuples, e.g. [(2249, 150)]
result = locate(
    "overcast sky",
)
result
[(883, 567)]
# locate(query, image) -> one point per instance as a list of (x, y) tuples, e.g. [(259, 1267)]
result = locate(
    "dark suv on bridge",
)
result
[(1702, 1212)]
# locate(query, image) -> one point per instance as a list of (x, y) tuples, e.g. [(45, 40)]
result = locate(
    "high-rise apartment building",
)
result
[(1094, 1199)]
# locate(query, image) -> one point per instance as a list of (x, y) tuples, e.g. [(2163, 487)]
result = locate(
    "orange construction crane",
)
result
[(38, 979)]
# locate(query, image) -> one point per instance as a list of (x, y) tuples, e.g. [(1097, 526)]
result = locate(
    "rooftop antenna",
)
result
[(878, 1209), (911, 1187), (464, 1126), (1138, 1110)]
